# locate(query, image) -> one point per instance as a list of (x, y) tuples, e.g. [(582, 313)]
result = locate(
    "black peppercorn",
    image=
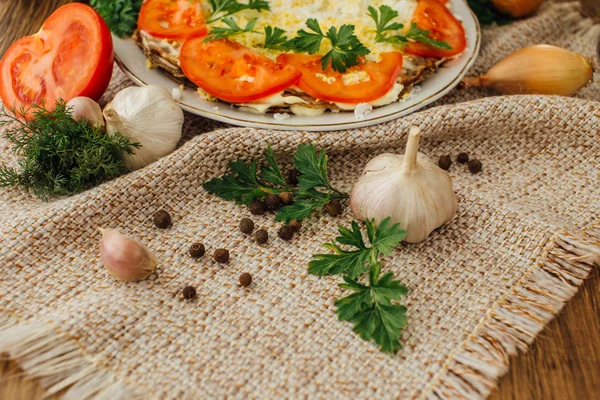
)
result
[(286, 233), (295, 225), (333, 208), (246, 225), (221, 256), (257, 207), (462, 158), (197, 250), (286, 197), (162, 219), (261, 236), (475, 166), (293, 176), (445, 162), (189, 292), (245, 279), (272, 202)]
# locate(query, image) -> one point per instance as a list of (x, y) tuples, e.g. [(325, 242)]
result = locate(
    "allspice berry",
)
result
[(272, 202), (462, 158), (445, 162), (475, 166), (189, 292), (246, 225), (245, 279), (333, 208), (286, 197), (162, 219), (197, 250), (286, 233), (293, 177), (295, 225), (261, 236), (221, 256), (257, 207)]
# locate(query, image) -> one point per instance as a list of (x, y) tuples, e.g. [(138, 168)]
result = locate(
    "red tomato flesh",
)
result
[(435, 17), (172, 19), (321, 84), (71, 56), (232, 72)]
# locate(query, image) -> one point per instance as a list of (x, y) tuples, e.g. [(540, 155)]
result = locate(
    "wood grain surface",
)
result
[(562, 364)]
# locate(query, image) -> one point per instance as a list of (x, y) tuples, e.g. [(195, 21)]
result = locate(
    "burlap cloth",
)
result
[(525, 236)]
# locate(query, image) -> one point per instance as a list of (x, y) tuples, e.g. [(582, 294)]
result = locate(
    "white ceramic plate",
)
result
[(132, 61)]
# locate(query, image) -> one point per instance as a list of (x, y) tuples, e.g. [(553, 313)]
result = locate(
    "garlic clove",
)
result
[(125, 258), (84, 108), (539, 69), (411, 189), (147, 115)]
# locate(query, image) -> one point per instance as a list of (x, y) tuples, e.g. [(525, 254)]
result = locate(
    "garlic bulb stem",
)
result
[(412, 149)]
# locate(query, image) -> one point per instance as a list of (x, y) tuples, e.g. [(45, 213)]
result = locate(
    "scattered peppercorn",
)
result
[(286, 233), (189, 292), (295, 225), (445, 162), (272, 202), (197, 250), (475, 166), (245, 279), (333, 208), (261, 236), (162, 219), (462, 158), (246, 225), (221, 256), (293, 176), (257, 207), (286, 197)]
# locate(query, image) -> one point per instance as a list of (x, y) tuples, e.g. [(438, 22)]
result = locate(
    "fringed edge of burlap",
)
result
[(58, 362), (514, 321)]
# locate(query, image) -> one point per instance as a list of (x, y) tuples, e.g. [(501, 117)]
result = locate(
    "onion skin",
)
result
[(538, 69), (517, 8)]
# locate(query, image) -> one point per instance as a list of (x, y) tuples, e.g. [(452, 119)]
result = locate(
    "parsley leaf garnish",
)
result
[(346, 48), (383, 239), (120, 15), (274, 38), (487, 13), (383, 22), (225, 8), (231, 29), (372, 311), (246, 182)]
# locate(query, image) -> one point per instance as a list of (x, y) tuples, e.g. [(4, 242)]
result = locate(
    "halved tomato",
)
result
[(232, 72), (172, 19), (442, 25), (365, 82), (72, 55)]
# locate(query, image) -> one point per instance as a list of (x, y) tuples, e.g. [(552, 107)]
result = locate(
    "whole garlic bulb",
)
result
[(84, 108), (125, 258), (410, 189), (147, 115)]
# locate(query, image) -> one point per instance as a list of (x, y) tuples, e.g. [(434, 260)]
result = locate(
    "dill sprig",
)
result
[(59, 155)]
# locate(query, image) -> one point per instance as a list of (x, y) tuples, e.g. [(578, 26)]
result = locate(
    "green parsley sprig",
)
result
[(372, 308), (120, 15), (384, 26), (225, 8), (487, 13), (231, 28), (275, 38), (247, 182), (346, 48), (60, 156)]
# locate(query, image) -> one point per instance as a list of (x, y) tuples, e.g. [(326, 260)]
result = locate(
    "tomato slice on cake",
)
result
[(71, 56), (442, 25), (365, 82), (233, 72), (172, 19)]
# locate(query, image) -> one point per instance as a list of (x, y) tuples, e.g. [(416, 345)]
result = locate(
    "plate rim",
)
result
[(333, 126)]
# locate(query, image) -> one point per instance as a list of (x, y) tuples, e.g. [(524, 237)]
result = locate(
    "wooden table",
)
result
[(563, 363)]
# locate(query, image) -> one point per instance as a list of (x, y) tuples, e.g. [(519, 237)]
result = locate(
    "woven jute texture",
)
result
[(525, 236)]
